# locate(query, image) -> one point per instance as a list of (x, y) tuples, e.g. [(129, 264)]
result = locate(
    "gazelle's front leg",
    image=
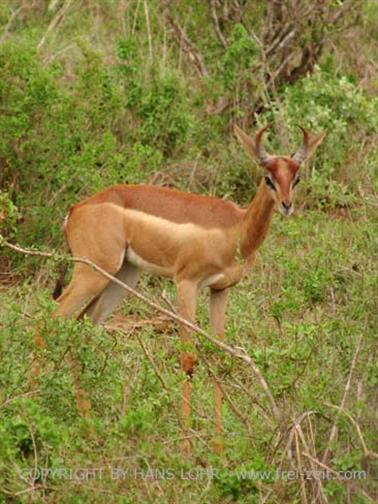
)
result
[(187, 298), (218, 301)]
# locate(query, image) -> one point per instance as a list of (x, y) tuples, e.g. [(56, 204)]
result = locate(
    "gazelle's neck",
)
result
[(256, 221)]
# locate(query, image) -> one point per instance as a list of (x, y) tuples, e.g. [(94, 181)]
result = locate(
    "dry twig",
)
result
[(55, 21), (367, 453), (182, 38), (222, 38), (238, 353), (12, 18), (149, 36)]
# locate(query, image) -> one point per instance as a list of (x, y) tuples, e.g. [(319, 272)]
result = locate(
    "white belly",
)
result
[(144, 265), (138, 261)]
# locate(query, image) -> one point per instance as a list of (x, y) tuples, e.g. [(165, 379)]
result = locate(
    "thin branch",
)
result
[(135, 18), (233, 406), (301, 475), (161, 380), (12, 18), (345, 395), (238, 353), (324, 466), (367, 453), (11, 399), (149, 36), (213, 9), (321, 495), (194, 54), (55, 21), (282, 42)]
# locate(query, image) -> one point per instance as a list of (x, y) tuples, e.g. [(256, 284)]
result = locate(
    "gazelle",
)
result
[(198, 241)]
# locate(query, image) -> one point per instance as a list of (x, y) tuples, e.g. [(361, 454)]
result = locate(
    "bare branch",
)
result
[(55, 21), (301, 474), (233, 406), (321, 464), (238, 353), (321, 497), (11, 399), (367, 453), (149, 36), (218, 31), (12, 18), (193, 53), (282, 41), (345, 395)]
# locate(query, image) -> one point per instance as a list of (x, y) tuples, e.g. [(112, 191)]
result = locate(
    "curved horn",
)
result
[(301, 153), (261, 153)]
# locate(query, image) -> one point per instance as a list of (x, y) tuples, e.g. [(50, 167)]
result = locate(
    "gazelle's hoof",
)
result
[(217, 445), (186, 448)]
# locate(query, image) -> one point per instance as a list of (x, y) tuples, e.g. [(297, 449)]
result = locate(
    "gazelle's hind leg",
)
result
[(102, 306), (85, 284), (89, 235)]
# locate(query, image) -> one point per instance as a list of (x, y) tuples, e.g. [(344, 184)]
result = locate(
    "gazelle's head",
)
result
[(281, 172)]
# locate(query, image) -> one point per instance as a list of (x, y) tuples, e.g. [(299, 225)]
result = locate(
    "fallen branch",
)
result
[(234, 352)]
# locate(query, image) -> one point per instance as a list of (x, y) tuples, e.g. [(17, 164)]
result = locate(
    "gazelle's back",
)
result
[(170, 204)]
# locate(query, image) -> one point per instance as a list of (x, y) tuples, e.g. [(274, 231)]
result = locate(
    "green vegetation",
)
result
[(98, 93)]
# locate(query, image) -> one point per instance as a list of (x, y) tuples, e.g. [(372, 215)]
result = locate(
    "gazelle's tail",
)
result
[(62, 268)]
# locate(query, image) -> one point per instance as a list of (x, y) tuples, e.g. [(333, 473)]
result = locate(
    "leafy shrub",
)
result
[(326, 101)]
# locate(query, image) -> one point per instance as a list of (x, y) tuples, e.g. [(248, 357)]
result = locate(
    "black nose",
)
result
[(286, 205)]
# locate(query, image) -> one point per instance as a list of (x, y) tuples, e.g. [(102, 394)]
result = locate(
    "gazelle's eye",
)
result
[(269, 183), (296, 181)]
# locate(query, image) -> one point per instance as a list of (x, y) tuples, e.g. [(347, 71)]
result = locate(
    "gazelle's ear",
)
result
[(314, 142), (247, 142), (253, 146), (309, 146)]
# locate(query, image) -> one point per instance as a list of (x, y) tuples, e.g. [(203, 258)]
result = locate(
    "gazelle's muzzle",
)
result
[(286, 208)]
